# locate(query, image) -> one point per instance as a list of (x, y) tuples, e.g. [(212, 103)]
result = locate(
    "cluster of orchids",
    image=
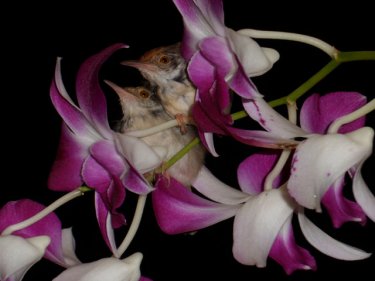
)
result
[(304, 161)]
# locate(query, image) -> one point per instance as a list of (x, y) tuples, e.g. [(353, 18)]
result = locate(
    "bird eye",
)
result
[(144, 94), (164, 60)]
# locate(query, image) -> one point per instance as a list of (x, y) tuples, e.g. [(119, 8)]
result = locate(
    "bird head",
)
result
[(161, 65)]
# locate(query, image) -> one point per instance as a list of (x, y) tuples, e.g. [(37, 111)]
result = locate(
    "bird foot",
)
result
[(182, 121)]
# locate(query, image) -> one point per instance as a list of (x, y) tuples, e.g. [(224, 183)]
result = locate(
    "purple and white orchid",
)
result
[(91, 153), (220, 64), (24, 247)]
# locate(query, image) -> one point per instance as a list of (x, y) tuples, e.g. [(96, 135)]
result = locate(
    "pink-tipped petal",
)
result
[(320, 160), (201, 19), (318, 112), (178, 210), (257, 225), (341, 209), (105, 224), (271, 120), (71, 114), (95, 175), (211, 187), (90, 97), (326, 244), (287, 253), (65, 174), (252, 172)]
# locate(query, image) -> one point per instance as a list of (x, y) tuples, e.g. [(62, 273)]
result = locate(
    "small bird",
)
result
[(166, 68), (142, 109)]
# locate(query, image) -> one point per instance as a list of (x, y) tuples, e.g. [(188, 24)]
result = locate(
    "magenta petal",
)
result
[(260, 138), (272, 121), (90, 97), (105, 224), (318, 112), (287, 253), (178, 210), (201, 72), (70, 113), (95, 175), (201, 19), (136, 183), (17, 211), (252, 172), (341, 209), (65, 173)]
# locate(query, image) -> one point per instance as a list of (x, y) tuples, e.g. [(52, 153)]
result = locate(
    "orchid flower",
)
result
[(322, 160), (91, 153), (262, 224), (20, 249), (221, 62), (61, 247), (105, 269)]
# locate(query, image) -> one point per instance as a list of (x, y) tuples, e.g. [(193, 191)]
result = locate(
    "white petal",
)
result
[(17, 254), (271, 120), (68, 246), (211, 187), (363, 195), (326, 244), (249, 53), (320, 160), (258, 223), (137, 152), (105, 269)]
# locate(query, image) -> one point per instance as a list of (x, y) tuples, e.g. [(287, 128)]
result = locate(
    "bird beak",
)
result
[(142, 66), (121, 92)]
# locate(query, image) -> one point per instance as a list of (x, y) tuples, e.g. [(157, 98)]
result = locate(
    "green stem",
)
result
[(355, 56), (181, 153)]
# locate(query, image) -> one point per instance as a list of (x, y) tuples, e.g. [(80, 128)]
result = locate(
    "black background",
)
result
[(36, 34)]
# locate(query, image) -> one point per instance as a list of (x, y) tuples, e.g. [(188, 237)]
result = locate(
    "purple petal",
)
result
[(201, 19), (70, 113), (90, 97), (201, 72), (65, 173), (318, 112), (271, 120), (178, 210), (252, 172), (105, 224), (214, 189), (341, 209), (260, 138), (320, 160), (257, 225), (326, 244), (95, 175), (287, 253), (136, 183), (17, 211)]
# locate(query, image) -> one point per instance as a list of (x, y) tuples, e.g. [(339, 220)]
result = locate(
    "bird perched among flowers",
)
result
[(142, 109), (166, 68)]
